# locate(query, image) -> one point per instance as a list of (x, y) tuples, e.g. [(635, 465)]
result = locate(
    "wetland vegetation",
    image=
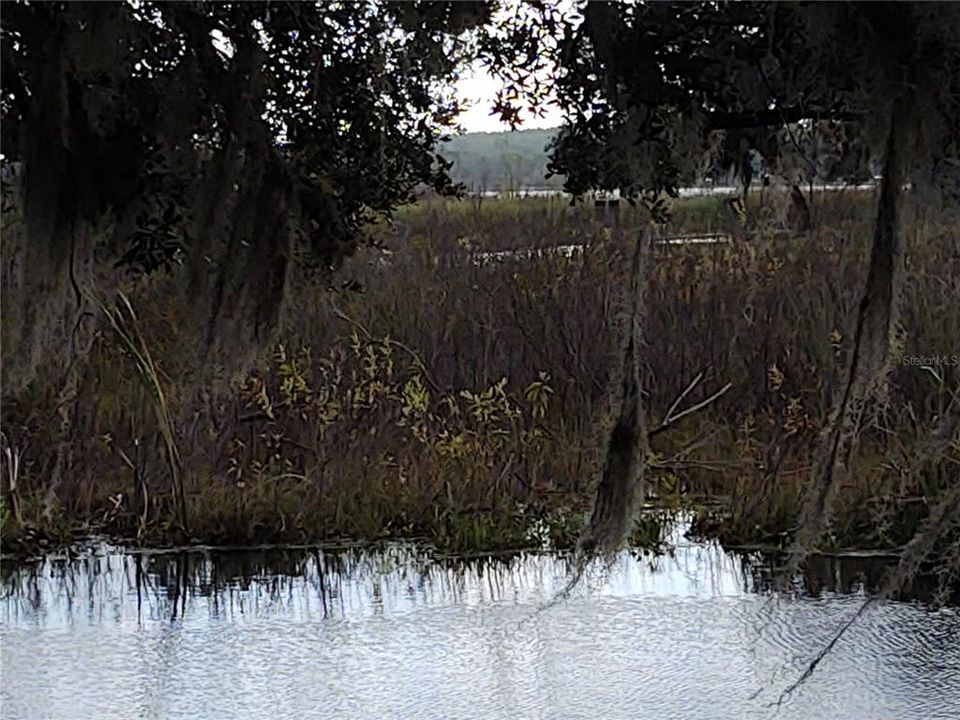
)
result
[(227, 321), (285, 411), (466, 413)]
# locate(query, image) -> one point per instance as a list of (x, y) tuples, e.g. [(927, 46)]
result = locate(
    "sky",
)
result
[(480, 90), (476, 87)]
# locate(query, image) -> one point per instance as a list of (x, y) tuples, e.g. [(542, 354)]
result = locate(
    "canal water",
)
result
[(398, 632)]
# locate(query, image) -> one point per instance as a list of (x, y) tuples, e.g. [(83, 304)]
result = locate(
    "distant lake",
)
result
[(701, 191)]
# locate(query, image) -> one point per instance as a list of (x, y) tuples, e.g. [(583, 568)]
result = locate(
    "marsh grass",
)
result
[(429, 395)]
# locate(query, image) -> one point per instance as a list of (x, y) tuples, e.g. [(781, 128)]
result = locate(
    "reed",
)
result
[(438, 394)]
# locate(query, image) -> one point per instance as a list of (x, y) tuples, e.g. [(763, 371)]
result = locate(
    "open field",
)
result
[(460, 402)]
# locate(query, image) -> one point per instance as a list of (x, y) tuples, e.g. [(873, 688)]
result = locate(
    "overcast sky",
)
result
[(480, 89)]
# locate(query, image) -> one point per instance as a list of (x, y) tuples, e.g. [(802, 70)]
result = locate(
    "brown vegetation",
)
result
[(437, 394)]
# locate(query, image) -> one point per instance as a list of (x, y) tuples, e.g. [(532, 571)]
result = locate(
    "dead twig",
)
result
[(673, 419)]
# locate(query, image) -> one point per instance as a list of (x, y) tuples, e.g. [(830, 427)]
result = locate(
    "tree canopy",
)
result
[(242, 140), (249, 142), (643, 86), (646, 88)]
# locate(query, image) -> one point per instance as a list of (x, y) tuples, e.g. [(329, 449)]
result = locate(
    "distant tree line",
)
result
[(824, 151), (501, 160)]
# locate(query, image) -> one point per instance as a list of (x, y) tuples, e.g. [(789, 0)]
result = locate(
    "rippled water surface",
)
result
[(398, 634)]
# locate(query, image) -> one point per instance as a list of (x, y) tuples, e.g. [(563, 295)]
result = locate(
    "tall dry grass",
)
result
[(431, 393)]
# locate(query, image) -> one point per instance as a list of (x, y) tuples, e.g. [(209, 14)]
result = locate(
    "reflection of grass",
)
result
[(459, 402)]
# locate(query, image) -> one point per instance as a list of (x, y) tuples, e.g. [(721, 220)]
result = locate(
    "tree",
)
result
[(241, 140), (645, 86)]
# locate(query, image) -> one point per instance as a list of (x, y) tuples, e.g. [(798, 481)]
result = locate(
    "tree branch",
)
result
[(672, 419)]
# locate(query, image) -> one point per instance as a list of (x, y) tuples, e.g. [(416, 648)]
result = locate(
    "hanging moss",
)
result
[(870, 359), (621, 481), (236, 138)]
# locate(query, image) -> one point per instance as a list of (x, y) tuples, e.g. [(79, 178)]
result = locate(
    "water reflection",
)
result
[(99, 586), (398, 632)]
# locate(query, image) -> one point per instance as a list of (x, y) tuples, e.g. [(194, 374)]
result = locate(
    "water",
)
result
[(400, 634), (696, 191)]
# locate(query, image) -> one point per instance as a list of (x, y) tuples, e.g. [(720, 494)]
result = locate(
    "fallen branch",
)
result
[(717, 466)]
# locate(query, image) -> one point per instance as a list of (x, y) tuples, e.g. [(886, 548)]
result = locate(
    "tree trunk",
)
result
[(800, 219), (621, 482), (869, 362)]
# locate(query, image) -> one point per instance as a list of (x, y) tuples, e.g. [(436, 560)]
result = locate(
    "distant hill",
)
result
[(501, 160), (515, 160)]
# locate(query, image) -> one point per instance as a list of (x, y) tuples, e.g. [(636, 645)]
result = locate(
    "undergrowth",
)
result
[(434, 392)]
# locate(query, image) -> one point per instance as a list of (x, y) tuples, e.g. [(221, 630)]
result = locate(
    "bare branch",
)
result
[(673, 419), (681, 396)]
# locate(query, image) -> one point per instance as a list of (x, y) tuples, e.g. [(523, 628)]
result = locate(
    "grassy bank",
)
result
[(431, 395)]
